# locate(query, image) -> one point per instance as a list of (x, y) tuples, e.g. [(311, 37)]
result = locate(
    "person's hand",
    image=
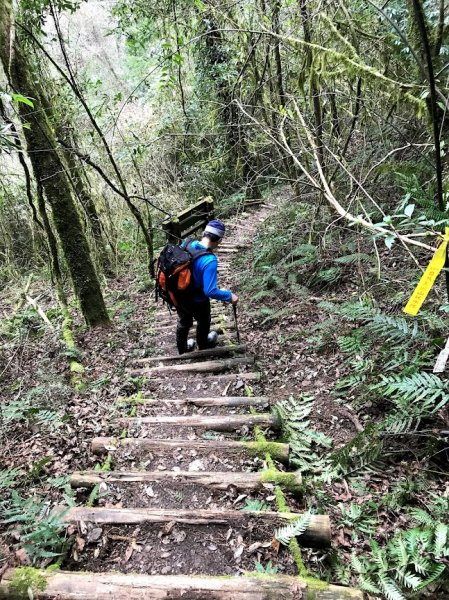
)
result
[(234, 299)]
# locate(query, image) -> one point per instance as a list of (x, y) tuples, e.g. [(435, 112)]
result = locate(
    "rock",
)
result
[(22, 556), (94, 535), (197, 465)]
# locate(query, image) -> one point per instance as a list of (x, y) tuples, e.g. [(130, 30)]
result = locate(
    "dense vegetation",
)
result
[(114, 116)]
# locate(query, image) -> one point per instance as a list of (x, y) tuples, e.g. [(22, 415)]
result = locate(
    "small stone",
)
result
[(94, 535), (22, 557)]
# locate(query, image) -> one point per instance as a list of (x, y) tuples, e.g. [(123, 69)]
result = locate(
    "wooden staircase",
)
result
[(165, 521)]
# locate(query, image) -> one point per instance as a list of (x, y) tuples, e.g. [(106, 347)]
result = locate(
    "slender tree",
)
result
[(49, 171)]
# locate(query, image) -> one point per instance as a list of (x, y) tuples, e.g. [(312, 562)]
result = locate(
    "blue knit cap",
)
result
[(216, 228)]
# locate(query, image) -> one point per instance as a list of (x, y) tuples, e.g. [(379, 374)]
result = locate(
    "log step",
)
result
[(216, 480), (207, 366), (229, 401), (217, 351), (216, 319), (65, 585), (212, 422), (226, 378), (317, 535), (280, 452)]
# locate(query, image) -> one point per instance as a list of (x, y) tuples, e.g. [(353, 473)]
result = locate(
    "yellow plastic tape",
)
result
[(428, 278)]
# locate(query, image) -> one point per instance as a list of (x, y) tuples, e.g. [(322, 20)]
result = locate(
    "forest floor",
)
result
[(48, 425)]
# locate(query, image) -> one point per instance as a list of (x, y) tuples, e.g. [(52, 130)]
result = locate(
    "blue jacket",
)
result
[(205, 277)]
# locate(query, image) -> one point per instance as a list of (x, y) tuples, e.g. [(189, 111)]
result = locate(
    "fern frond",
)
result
[(353, 259), (389, 588), (441, 534), (367, 585), (408, 579), (421, 517), (434, 573), (294, 529)]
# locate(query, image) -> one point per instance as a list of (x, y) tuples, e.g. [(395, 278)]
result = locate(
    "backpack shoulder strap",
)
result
[(196, 253)]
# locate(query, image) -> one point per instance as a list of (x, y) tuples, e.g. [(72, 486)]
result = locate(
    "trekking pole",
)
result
[(234, 308)]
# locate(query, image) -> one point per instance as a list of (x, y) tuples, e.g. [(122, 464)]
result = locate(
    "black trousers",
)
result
[(200, 311)]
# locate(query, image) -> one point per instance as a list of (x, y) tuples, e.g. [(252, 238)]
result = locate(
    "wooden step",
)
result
[(280, 452), (65, 585), (215, 326), (317, 535), (217, 351), (216, 480), (226, 378), (228, 401), (207, 366), (212, 422)]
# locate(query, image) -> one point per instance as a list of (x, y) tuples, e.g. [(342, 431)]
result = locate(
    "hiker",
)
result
[(205, 276)]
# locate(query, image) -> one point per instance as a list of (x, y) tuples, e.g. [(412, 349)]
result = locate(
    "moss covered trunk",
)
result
[(50, 174)]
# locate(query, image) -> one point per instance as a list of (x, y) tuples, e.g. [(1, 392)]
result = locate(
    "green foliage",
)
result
[(359, 518), (268, 569), (41, 530), (37, 406), (27, 581), (294, 529), (411, 561), (8, 478), (294, 413), (258, 505)]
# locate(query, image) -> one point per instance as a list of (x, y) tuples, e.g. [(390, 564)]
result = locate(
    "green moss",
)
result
[(259, 448), (25, 578), (315, 584), (287, 480), (281, 502), (295, 551)]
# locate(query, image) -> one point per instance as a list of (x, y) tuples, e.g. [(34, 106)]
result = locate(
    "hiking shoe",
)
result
[(191, 345), (212, 339)]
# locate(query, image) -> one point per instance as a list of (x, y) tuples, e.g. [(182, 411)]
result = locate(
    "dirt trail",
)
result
[(187, 503)]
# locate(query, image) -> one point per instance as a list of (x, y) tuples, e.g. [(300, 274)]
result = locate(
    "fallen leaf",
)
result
[(128, 553)]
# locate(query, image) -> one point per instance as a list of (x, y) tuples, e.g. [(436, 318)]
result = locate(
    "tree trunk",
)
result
[(79, 181), (50, 174)]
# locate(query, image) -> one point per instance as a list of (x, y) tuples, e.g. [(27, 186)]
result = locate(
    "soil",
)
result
[(177, 548), (127, 458), (169, 495)]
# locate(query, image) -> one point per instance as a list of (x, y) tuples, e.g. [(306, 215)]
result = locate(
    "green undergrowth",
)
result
[(282, 505), (27, 581), (385, 484)]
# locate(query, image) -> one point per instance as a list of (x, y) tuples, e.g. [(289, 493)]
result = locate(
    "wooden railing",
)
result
[(189, 220)]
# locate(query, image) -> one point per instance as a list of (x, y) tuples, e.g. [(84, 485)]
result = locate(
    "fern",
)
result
[(353, 259), (410, 561), (293, 413), (294, 529), (257, 505), (425, 390), (41, 531)]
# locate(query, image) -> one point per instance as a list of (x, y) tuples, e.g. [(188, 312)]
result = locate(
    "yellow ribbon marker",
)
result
[(428, 278)]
